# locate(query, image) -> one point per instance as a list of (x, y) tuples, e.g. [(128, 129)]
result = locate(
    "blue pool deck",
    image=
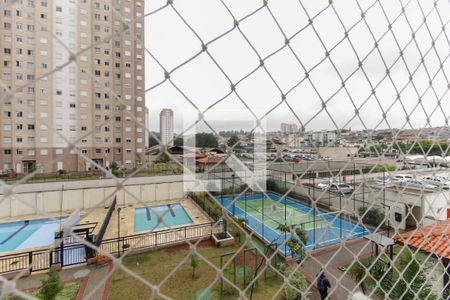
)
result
[(336, 231), (20, 235), (160, 217)]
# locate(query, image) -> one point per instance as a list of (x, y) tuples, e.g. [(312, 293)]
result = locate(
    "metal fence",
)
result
[(378, 65), (75, 253), (160, 238)]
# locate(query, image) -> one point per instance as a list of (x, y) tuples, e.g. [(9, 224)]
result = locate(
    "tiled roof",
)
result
[(193, 155), (434, 238), (209, 160)]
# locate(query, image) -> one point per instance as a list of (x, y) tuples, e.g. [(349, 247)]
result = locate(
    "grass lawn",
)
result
[(69, 292), (156, 265)]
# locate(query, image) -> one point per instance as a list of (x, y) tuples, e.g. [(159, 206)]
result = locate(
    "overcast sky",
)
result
[(171, 42)]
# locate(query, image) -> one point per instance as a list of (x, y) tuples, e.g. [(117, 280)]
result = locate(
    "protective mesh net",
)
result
[(368, 64)]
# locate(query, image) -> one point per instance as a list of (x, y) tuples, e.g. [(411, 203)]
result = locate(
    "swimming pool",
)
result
[(146, 218), (264, 214), (21, 235)]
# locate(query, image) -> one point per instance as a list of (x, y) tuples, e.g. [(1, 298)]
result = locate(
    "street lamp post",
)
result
[(118, 230)]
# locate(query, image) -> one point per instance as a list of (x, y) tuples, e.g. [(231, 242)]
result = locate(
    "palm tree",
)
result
[(297, 241), (414, 283), (407, 281), (358, 272)]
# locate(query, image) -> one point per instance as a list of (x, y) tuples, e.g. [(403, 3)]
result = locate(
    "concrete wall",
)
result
[(30, 199)]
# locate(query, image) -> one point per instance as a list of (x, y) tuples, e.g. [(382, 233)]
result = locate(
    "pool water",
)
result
[(21, 235), (147, 218)]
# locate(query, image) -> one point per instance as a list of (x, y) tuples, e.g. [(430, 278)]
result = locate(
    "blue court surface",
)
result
[(21, 235), (264, 214), (161, 216)]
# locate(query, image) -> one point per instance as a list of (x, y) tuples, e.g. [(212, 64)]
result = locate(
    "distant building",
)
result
[(166, 126), (322, 138), (288, 128)]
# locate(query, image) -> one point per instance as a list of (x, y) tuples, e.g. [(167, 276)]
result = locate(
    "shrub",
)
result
[(114, 167), (385, 168), (373, 216), (297, 289), (194, 265), (51, 286)]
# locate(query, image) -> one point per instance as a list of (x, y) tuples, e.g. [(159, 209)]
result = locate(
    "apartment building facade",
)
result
[(323, 138), (73, 84)]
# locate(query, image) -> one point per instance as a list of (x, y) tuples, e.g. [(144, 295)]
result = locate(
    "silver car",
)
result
[(437, 181), (418, 184), (341, 188)]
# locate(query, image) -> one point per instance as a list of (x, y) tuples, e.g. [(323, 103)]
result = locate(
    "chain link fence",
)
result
[(373, 65)]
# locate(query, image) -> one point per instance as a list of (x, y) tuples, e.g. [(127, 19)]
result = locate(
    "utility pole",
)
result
[(118, 230)]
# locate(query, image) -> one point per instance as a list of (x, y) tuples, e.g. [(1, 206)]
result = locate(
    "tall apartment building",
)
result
[(79, 102), (166, 126)]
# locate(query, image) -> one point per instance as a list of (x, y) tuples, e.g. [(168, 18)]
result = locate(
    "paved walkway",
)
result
[(92, 286), (330, 258)]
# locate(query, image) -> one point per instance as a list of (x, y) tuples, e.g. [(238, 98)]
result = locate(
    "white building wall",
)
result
[(65, 80), (51, 198), (166, 127)]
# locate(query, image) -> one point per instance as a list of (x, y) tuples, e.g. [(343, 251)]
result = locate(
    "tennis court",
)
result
[(274, 213), (263, 213)]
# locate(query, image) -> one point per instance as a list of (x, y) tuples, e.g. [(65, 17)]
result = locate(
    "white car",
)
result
[(382, 180), (399, 178), (418, 184), (324, 185), (342, 188), (437, 181)]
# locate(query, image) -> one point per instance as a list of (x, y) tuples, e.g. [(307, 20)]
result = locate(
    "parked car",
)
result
[(437, 181), (325, 184), (342, 188), (399, 178), (382, 180), (306, 184), (418, 184)]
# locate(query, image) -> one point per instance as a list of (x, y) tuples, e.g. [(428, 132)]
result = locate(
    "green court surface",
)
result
[(273, 213)]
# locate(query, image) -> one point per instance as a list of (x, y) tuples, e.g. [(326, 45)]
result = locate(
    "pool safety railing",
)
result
[(74, 254), (206, 207), (159, 238), (41, 260)]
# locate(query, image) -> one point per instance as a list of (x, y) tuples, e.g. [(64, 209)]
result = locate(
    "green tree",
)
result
[(297, 241), (114, 167), (406, 281), (163, 158), (152, 141), (413, 284), (232, 140), (205, 140), (51, 286), (178, 141), (194, 265), (358, 273), (376, 148), (373, 216), (297, 289)]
